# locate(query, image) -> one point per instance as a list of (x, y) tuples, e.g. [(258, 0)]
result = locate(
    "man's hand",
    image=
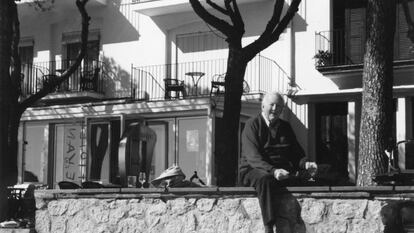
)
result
[(311, 165), (281, 174)]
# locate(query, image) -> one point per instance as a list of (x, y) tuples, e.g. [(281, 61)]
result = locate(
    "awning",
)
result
[(311, 96)]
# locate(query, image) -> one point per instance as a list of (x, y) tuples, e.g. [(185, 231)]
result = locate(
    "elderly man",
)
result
[(270, 155)]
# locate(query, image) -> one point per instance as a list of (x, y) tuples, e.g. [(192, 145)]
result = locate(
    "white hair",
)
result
[(269, 95)]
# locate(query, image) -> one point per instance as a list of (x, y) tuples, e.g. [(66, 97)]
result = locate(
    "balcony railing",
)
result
[(86, 78), (339, 47), (262, 75)]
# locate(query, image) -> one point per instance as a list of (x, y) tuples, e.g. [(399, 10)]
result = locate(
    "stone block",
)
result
[(131, 225), (349, 209), (229, 205), (252, 208), (214, 221), (335, 226), (205, 204), (240, 223), (365, 226), (99, 213), (137, 209), (74, 207), (80, 222), (57, 208), (313, 210), (58, 224), (180, 206), (156, 209), (42, 221)]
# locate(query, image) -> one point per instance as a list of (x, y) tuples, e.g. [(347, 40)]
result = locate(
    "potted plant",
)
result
[(323, 58)]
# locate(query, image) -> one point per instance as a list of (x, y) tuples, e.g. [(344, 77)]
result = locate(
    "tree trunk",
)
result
[(5, 100), (227, 148), (377, 81)]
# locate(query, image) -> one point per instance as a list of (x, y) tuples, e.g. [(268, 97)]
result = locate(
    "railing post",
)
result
[(132, 82)]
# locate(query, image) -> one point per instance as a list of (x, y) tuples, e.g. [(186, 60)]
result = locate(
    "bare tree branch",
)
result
[(237, 14), (50, 85), (265, 41), (234, 13), (16, 62), (277, 12), (212, 20), (217, 7)]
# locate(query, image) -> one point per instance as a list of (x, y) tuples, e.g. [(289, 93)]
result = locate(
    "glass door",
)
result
[(69, 149)]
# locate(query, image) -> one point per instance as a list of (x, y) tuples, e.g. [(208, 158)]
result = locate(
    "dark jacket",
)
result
[(263, 151)]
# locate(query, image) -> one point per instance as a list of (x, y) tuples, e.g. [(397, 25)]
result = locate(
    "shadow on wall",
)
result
[(116, 80), (123, 24)]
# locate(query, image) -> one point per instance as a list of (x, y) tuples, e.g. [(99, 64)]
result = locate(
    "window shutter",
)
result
[(402, 42), (355, 34)]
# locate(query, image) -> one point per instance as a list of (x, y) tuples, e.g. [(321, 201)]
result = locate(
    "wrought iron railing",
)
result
[(262, 75), (341, 47), (88, 77)]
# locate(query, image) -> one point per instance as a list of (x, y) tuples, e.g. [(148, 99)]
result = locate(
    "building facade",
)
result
[(155, 64)]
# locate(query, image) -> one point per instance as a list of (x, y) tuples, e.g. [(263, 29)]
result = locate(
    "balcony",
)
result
[(148, 82), (85, 83), (338, 51), (163, 7)]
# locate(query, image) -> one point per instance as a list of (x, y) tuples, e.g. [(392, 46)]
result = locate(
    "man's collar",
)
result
[(266, 120)]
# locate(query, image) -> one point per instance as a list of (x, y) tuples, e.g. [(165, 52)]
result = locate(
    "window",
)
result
[(71, 46), (26, 58), (102, 150), (159, 154), (192, 146), (35, 153), (351, 16), (69, 153)]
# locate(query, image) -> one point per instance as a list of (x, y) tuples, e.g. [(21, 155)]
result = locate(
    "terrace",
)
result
[(150, 83), (339, 50), (199, 78)]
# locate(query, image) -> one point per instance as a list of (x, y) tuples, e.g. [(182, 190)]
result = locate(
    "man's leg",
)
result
[(266, 187)]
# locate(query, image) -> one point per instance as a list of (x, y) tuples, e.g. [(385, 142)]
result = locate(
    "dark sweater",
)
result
[(263, 151)]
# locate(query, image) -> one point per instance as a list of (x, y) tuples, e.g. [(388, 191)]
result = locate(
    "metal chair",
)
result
[(176, 86), (89, 80), (218, 85)]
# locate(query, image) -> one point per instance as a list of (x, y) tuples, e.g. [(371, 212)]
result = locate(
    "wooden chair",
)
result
[(89, 80), (217, 84), (174, 85)]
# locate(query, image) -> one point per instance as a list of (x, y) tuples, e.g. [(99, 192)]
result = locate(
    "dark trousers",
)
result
[(267, 188)]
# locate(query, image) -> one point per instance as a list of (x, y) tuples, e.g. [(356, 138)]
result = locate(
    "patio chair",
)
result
[(176, 86), (89, 80), (218, 85)]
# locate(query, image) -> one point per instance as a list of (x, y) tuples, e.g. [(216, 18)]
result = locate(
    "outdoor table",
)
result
[(195, 76)]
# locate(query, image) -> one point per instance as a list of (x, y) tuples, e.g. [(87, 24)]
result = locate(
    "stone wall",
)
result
[(230, 211)]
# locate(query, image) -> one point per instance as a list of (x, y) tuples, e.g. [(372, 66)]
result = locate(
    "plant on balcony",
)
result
[(323, 58)]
